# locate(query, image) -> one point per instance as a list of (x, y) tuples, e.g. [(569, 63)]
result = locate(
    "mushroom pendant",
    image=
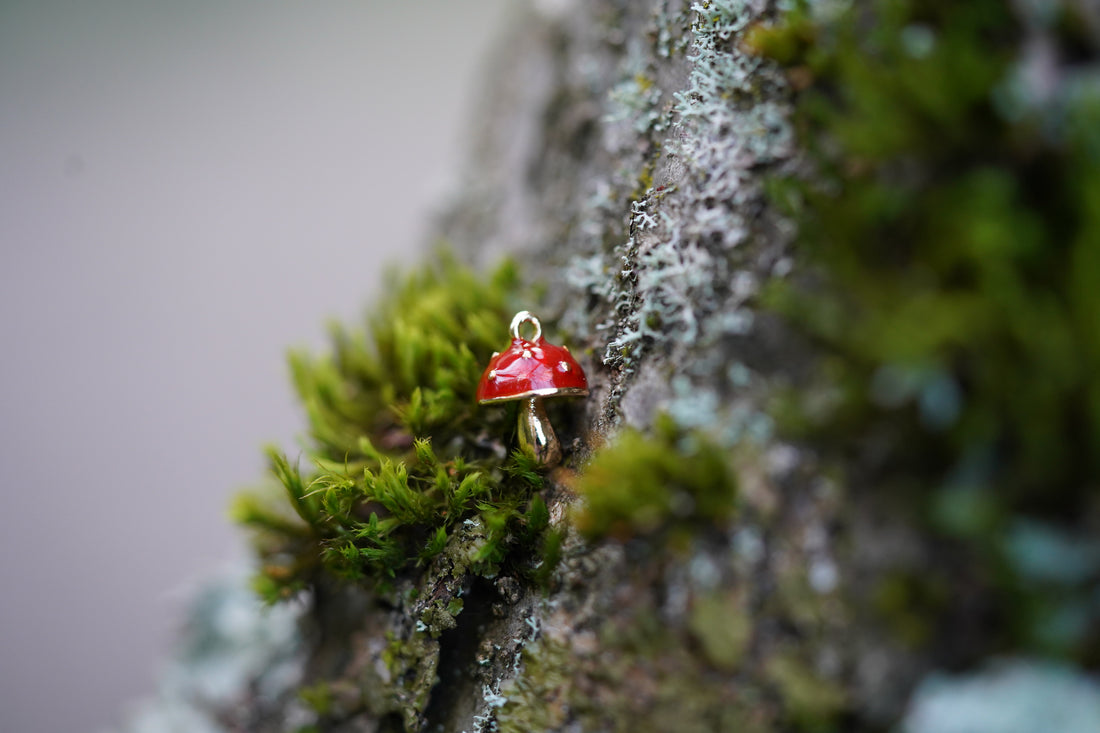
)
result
[(532, 370)]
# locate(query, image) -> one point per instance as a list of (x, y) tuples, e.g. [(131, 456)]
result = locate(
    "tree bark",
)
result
[(624, 154)]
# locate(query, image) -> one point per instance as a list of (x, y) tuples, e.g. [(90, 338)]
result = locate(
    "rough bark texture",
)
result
[(626, 151), (631, 180)]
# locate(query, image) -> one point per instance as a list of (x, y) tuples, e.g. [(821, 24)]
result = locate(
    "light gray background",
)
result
[(186, 189)]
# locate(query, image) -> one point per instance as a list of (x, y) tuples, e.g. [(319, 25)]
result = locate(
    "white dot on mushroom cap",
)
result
[(526, 353), (492, 374), (563, 366)]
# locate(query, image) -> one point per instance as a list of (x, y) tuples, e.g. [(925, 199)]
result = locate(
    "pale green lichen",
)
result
[(539, 698), (1009, 696), (678, 284)]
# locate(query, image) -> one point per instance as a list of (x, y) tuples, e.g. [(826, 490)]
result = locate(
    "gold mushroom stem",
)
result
[(536, 436)]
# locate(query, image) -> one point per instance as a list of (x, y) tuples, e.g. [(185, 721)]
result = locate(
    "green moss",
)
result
[(413, 370), (952, 220), (667, 484), (400, 459)]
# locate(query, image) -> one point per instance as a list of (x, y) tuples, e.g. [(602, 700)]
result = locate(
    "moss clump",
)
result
[(413, 370), (399, 459), (667, 485), (954, 219)]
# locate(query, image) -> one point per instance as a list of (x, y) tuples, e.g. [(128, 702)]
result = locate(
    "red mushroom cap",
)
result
[(531, 368)]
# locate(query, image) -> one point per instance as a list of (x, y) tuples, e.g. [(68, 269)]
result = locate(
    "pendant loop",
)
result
[(521, 318)]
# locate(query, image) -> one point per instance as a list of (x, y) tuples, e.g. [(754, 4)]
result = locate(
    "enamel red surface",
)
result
[(544, 367)]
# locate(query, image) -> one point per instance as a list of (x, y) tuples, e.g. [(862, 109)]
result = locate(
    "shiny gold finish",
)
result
[(536, 436)]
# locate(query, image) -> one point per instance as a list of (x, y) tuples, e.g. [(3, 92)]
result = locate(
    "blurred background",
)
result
[(186, 189)]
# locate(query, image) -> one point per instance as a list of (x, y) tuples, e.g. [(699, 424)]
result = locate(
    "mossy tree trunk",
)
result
[(765, 519)]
